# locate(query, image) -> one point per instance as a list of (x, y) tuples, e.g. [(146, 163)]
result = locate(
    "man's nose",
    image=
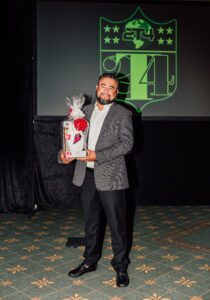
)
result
[(106, 88)]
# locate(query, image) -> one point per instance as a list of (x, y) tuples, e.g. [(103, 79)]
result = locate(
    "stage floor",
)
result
[(170, 256)]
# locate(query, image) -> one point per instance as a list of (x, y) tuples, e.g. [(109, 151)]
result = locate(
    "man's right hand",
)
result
[(63, 159)]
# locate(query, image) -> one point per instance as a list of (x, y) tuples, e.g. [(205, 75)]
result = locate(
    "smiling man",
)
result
[(103, 177)]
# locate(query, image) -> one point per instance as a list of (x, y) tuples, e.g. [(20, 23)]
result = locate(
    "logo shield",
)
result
[(143, 55)]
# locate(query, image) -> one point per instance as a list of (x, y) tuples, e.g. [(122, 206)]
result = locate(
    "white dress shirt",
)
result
[(96, 123)]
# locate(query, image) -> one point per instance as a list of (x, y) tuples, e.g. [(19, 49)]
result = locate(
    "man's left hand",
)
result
[(91, 156)]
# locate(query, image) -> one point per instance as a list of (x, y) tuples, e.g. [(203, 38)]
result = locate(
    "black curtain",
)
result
[(169, 164), (53, 181), (16, 160)]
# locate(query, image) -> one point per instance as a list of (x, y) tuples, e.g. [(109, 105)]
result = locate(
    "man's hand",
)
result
[(63, 159), (91, 156)]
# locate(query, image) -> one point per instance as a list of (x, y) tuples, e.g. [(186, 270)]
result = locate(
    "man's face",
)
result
[(107, 89)]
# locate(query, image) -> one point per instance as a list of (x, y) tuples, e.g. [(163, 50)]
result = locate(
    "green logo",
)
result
[(143, 55)]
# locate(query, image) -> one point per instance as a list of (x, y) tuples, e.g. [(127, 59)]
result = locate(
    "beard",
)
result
[(104, 101)]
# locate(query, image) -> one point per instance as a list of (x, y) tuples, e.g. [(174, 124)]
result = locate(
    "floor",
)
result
[(170, 256)]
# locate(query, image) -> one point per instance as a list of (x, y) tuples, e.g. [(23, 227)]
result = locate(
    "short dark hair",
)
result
[(109, 75)]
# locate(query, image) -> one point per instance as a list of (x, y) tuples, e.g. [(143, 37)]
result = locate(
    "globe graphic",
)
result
[(137, 28)]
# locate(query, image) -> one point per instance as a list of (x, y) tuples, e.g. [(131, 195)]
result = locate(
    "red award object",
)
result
[(75, 128)]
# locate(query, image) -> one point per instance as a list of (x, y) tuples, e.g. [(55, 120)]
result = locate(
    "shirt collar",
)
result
[(106, 107)]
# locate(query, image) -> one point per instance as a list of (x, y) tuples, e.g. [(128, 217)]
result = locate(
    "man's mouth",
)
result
[(104, 95)]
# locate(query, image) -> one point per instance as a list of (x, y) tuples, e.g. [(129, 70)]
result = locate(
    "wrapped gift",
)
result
[(75, 128)]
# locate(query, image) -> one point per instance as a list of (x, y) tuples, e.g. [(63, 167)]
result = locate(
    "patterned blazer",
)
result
[(114, 142)]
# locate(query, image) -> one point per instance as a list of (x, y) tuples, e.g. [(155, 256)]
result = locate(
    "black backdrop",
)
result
[(16, 159), (169, 164)]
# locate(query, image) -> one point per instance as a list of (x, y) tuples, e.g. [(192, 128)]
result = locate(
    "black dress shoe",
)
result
[(82, 269), (122, 279)]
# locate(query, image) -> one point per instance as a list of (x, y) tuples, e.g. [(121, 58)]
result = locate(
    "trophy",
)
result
[(75, 129)]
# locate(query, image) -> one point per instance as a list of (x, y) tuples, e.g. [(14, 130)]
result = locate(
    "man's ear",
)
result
[(96, 86)]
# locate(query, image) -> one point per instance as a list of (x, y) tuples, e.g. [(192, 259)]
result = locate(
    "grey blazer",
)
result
[(114, 142)]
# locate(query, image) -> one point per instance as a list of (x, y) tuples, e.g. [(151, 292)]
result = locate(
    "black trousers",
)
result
[(99, 208)]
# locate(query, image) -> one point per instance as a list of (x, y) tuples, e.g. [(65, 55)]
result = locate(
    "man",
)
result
[(103, 177)]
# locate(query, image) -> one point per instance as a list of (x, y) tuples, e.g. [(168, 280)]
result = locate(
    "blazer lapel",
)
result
[(88, 111), (112, 111)]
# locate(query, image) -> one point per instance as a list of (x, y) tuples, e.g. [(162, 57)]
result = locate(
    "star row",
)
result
[(115, 40), (115, 28), (160, 30), (168, 30), (161, 41)]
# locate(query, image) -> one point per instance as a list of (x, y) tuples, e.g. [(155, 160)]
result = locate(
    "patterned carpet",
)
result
[(170, 257)]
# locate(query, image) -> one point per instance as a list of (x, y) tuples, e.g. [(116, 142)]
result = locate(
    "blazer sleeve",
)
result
[(124, 143)]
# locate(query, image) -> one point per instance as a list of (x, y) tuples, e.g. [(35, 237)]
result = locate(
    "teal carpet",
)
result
[(170, 257)]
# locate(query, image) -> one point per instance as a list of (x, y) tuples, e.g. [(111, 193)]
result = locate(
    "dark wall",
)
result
[(173, 165), (169, 164), (170, 160)]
